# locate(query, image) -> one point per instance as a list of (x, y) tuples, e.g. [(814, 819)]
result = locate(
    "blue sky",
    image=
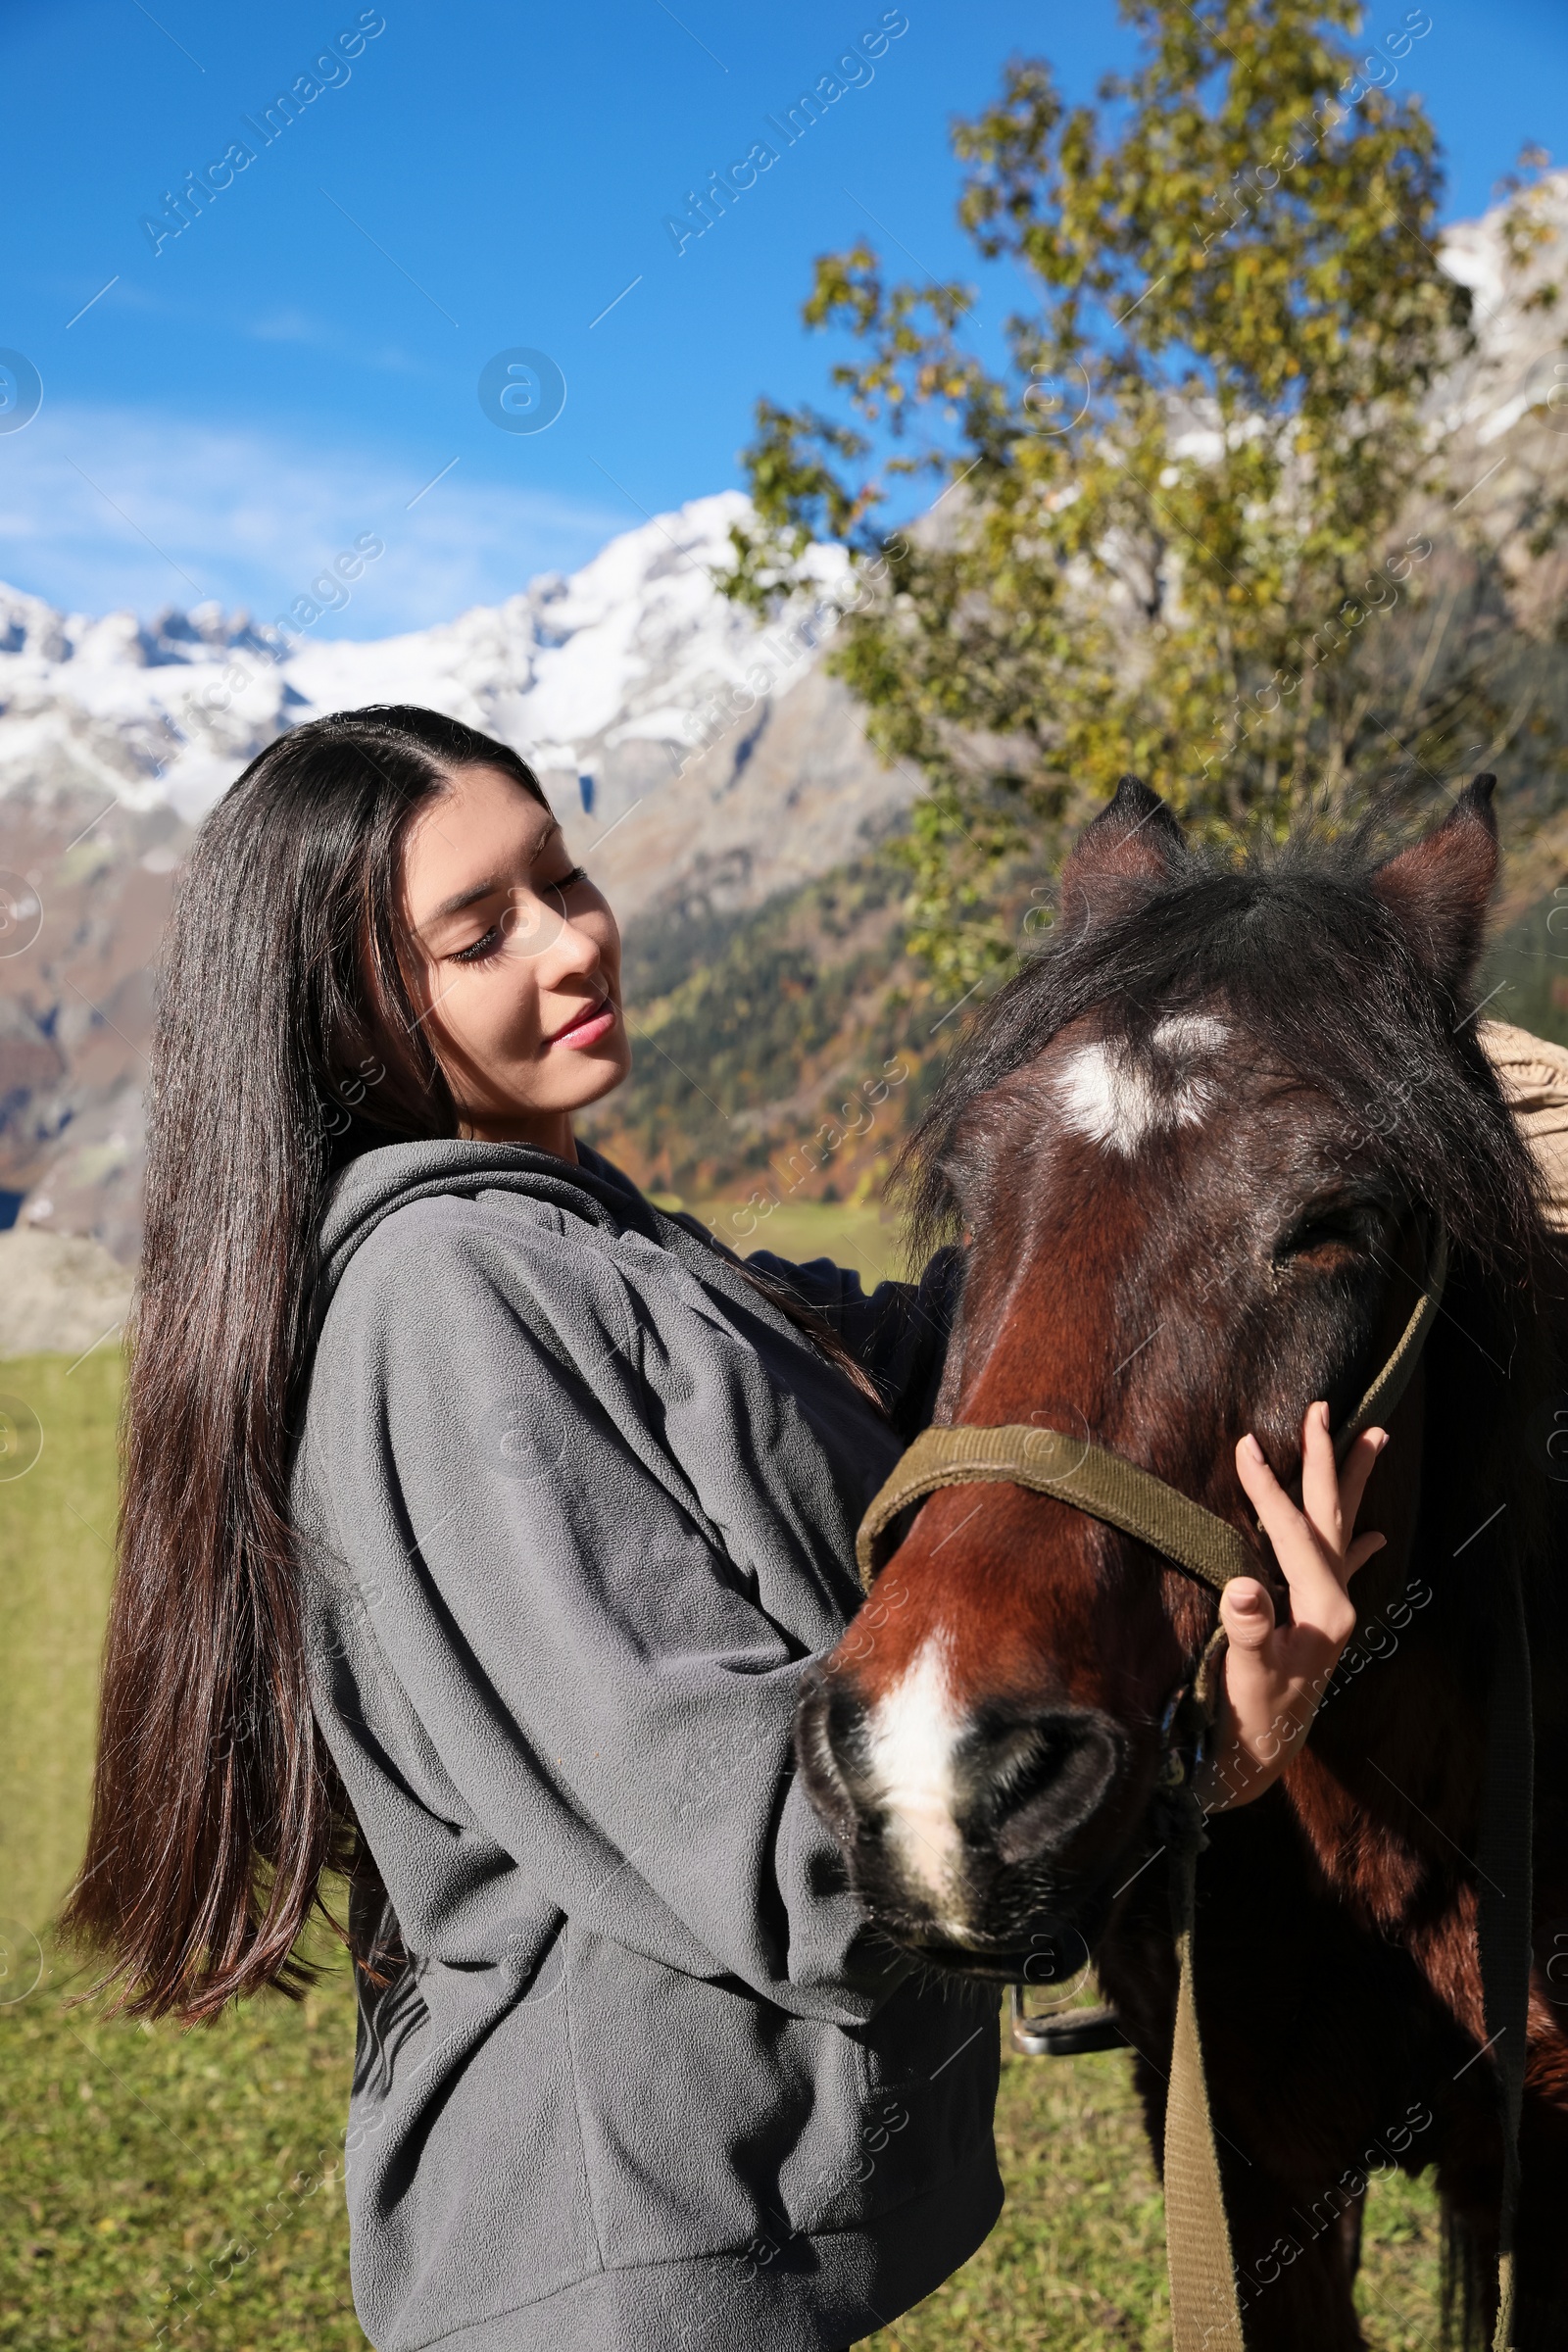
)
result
[(294, 367)]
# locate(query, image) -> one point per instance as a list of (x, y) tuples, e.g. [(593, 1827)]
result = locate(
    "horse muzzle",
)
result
[(985, 1841)]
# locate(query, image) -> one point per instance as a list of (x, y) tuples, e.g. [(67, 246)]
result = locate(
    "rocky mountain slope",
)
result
[(702, 765)]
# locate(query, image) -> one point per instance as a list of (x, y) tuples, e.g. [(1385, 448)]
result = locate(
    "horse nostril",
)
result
[(828, 1724), (1033, 1781)]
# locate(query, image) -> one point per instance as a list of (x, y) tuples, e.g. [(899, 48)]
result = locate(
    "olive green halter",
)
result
[(1108, 1486), (1206, 2312)]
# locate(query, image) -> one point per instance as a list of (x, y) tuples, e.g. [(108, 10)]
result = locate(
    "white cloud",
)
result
[(105, 509), (288, 326)]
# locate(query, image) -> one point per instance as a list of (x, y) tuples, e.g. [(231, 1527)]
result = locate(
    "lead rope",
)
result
[(1204, 2310), (1505, 1905)]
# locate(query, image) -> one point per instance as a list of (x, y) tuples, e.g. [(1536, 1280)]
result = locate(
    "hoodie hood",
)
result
[(368, 1190)]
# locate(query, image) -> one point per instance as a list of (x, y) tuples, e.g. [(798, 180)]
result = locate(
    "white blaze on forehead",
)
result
[(1119, 1096), (1109, 1096), (1186, 1035), (911, 1736)]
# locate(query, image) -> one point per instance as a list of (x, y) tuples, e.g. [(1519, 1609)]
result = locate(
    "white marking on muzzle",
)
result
[(911, 1738)]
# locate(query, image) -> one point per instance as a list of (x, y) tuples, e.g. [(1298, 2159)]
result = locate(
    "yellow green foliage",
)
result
[(1175, 520)]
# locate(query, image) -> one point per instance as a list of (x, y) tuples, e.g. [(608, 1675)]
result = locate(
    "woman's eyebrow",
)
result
[(486, 889), (466, 898)]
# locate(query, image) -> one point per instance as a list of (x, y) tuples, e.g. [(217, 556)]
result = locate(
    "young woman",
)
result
[(480, 1521)]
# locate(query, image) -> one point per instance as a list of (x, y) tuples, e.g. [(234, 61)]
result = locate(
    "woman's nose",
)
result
[(572, 952), (539, 931)]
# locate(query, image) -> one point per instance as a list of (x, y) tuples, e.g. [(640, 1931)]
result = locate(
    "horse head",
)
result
[(1200, 1149)]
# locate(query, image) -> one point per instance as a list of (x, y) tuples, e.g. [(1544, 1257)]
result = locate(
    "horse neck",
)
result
[(1494, 1368)]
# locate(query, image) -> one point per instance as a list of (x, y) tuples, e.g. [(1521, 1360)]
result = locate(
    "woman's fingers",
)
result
[(1259, 1482), (1361, 1551), (1274, 1673), (1322, 1524), (1247, 1612), (1354, 1471), (1310, 1543), (1304, 1558), (1320, 1478)]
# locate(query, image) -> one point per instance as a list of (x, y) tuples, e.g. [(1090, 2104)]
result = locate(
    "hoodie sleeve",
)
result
[(900, 1333), (595, 1547)]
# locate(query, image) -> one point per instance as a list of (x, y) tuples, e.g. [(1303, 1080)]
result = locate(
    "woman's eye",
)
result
[(495, 939), (482, 948)]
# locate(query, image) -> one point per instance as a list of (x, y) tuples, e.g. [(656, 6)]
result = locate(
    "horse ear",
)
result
[(1439, 889), (1134, 839)]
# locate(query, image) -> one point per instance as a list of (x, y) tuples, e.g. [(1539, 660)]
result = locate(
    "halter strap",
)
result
[(1106, 1485), (1092, 1479), (1395, 1378)]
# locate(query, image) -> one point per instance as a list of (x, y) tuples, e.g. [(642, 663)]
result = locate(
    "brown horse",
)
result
[(1199, 1149)]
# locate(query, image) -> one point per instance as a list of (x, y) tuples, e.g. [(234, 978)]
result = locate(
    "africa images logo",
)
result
[(854, 71), (329, 72)]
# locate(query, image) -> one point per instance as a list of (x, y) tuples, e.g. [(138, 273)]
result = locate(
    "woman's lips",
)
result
[(587, 1027)]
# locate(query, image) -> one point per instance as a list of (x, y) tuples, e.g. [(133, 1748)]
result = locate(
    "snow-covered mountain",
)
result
[(627, 674), (694, 756)]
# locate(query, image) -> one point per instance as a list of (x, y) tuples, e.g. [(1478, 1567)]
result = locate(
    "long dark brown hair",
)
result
[(287, 1040)]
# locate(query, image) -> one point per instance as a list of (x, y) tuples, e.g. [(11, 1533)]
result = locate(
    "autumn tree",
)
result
[(1166, 534)]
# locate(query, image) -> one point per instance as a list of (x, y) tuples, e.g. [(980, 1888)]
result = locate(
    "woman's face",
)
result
[(517, 962)]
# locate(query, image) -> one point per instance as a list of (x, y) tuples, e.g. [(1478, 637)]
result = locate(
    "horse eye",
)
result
[(1330, 1241)]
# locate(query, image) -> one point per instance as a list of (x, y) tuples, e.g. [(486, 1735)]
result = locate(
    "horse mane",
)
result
[(1296, 945)]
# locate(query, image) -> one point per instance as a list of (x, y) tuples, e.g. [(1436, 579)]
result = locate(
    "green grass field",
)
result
[(802, 1229), (184, 2189)]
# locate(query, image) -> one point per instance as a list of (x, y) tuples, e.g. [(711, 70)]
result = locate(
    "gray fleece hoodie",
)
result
[(577, 1506)]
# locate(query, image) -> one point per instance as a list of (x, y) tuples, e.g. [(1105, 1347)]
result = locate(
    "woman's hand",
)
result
[(1276, 1674)]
